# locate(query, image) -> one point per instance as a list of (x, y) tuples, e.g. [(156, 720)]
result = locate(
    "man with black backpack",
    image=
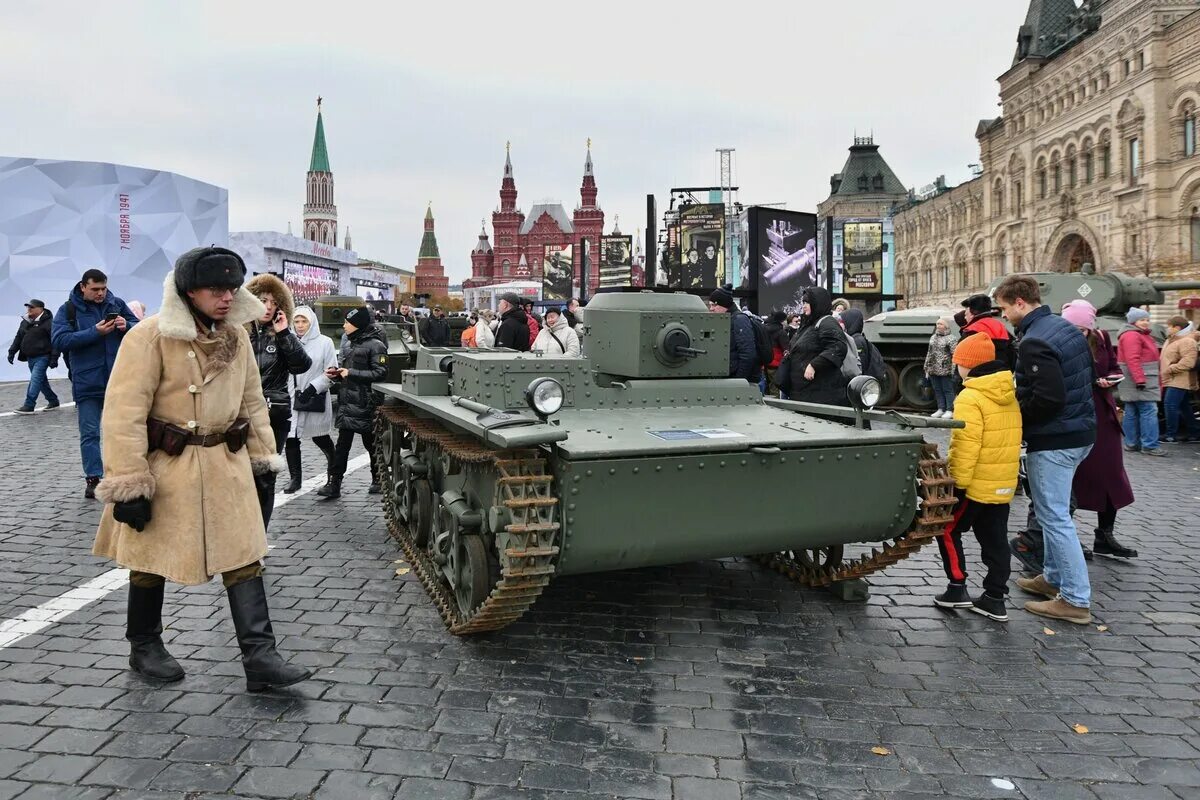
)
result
[(869, 358), (745, 361)]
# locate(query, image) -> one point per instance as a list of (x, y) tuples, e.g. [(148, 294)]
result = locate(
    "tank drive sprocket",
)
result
[(935, 488), (499, 580)]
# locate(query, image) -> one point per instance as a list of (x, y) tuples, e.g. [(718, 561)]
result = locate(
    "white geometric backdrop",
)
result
[(59, 218)]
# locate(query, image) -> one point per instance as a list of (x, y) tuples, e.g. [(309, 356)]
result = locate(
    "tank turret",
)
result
[(1112, 293), (656, 335)]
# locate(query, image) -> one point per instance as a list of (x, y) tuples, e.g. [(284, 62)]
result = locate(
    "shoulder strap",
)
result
[(557, 341), (71, 314)]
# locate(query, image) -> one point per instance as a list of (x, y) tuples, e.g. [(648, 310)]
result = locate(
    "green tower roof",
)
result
[(320, 153), (429, 248)]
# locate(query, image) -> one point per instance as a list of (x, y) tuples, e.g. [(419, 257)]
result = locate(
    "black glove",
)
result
[(134, 513), (54, 363), (264, 483)]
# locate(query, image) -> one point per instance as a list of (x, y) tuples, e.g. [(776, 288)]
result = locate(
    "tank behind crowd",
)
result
[(903, 336), (403, 339), (502, 470)]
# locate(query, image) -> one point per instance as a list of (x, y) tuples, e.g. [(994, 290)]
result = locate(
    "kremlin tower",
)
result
[(320, 214), (431, 278)]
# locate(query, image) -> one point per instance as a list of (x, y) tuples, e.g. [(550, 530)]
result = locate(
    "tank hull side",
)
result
[(719, 505)]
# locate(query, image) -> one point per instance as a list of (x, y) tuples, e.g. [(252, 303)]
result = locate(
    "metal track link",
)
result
[(936, 490), (524, 487)]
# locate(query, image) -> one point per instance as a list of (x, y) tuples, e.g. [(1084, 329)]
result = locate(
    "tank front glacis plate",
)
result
[(637, 512)]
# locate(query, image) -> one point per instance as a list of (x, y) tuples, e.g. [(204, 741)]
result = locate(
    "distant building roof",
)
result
[(866, 172), (556, 212), (1053, 25)]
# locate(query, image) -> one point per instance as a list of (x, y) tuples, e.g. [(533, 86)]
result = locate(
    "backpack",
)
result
[(763, 346), (851, 368), (870, 357)]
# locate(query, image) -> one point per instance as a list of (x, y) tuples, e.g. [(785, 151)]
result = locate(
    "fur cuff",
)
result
[(123, 488), (262, 466)]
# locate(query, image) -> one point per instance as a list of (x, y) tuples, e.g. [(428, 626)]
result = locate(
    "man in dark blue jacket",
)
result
[(1054, 376), (88, 329), (743, 351)]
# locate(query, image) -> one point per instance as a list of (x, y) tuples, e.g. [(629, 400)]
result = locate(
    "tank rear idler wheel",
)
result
[(915, 392), (422, 521), (935, 491), (471, 573)]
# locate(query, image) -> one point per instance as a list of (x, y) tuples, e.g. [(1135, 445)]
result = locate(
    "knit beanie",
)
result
[(722, 297), (1135, 314), (976, 349), (1080, 313), (360, 318)]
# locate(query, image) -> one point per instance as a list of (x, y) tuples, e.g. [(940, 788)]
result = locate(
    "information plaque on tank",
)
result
[(696, 433)]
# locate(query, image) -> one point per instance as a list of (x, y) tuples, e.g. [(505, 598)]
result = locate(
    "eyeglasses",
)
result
[(219, 291)]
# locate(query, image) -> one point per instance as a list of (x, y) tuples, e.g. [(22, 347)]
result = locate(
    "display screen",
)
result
[(309, 282), (558, 272), (616, 261), (862, 257), (371, 291), (701, 260), (783, 257)]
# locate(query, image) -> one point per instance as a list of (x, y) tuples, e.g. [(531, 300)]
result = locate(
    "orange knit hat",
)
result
[(975, 350)]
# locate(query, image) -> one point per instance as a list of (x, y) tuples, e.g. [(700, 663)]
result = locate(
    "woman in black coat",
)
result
[(814, 374), (364, 361)]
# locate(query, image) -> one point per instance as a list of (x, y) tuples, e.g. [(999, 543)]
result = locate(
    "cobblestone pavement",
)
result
[(705, 680)]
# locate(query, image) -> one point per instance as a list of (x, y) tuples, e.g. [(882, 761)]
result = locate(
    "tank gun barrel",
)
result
[(690, 352), (1174, 286)]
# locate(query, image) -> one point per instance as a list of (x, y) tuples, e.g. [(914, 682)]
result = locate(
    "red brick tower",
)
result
[(431, 279), (320, 214), (589, 222), (481, 260), (506, 225)]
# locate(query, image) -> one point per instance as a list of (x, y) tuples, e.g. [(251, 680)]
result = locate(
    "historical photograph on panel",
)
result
[(702, 263), (558, 273), (616, 264), (862, 248)]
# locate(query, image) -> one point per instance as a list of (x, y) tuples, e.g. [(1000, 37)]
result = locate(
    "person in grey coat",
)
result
[(313, 384)]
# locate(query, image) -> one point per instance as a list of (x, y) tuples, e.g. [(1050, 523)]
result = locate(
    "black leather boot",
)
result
[(148, 655), (332, 488), (263, 664), (1106, 544), (292, 451)]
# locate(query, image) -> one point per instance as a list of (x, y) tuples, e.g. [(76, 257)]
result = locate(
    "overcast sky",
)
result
[(420, 99)]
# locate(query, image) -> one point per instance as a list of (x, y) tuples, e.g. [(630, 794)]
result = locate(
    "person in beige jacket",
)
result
[(1177, 368), (186, 436)]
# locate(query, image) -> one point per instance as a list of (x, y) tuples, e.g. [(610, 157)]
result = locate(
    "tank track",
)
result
[(935, 488), (525, 488)]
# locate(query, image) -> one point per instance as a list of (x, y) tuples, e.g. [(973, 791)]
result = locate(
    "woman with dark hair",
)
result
[(816, 354)]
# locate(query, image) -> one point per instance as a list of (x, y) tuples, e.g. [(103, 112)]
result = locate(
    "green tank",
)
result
[(403, 337), (502, 470), (903, 336)]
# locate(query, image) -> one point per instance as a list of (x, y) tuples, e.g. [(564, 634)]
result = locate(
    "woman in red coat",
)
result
[(1101, 484)]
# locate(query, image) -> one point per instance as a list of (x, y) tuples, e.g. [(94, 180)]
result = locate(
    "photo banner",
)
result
[(558, 272), (701, 256), (862, 257), (783, 257), (308, 282), (616, 261)]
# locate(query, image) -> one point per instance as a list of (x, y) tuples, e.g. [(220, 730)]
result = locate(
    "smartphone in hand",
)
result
[(110, 316)]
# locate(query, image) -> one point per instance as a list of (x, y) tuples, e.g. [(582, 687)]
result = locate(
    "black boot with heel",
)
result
[(265, 668), (148, 655), (292, 451)]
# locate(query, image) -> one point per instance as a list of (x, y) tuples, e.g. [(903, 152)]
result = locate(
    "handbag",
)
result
[(314, 403)]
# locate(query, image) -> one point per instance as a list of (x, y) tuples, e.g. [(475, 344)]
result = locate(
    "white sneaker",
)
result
[(936, 415), (947, 414)]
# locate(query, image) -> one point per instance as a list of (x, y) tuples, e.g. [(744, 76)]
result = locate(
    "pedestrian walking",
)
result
[(984, 460), (1177, 368), (88, 330), (939, 367), (556, 337), (1054, 378), (513, 331), (186, 438), (312, 411), (34, 345), (813, 365), (1139, 392), (743, 350), (364, 361)]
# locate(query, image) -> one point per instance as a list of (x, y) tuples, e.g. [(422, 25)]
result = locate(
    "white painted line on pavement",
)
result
[(36, 620), (15, 414)]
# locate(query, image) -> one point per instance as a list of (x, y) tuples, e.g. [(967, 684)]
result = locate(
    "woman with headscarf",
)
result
[(816, 353), (313, 411), (484, 332)]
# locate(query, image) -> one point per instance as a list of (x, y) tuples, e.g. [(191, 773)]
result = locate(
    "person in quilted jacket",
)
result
[(984, 461)]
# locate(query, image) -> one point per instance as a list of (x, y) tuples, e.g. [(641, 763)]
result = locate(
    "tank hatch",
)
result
[(656, 335)]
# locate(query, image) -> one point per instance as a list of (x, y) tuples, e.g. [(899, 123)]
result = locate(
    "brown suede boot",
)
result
[(1037, 585), (1059, 609)]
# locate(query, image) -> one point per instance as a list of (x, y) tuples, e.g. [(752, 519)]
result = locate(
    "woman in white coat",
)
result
[(556, 338), (311, 390), (484, 337)]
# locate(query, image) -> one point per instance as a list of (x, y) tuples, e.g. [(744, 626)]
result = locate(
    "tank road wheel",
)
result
[(826, 565), (889, 386), (422, 521), (472, 575), (913, 390)]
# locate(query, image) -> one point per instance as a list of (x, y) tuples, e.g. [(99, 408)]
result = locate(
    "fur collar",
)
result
[(175, 320), (266, 283)]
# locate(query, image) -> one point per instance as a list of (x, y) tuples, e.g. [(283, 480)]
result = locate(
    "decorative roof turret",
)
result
[(587, 192), (320, 153), (429, 245)]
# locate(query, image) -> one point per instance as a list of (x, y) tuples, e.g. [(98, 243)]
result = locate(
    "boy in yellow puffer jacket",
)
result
[(984, 457)]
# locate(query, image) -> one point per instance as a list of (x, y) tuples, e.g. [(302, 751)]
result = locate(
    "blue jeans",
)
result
[(1178, 406), (1050, 475), (89, 412), (1140, 423), (943, 391), (38, 384)]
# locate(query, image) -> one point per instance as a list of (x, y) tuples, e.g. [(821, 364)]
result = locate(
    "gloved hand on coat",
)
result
[(134, 513), (265, 483)]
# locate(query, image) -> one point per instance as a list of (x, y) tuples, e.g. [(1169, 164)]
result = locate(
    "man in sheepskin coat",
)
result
[(186, 437)]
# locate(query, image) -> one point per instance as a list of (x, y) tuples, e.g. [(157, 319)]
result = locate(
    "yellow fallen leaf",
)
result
[(1101, 628), (402, 571), (1079, 728), (1047, 631), (399, 561), (881, 751)]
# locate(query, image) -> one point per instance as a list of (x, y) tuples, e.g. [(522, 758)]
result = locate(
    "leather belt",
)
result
[(207, 440)]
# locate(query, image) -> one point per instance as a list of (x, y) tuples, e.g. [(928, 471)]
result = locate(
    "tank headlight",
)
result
[(864, 392), (545, 396)]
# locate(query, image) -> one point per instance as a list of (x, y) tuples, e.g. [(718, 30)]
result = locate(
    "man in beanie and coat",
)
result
[(33, 345), (364, 361), (513, 332), (186, 438), (978, 316), (1054, 378), (1138, 356), (984, 461), (743, 350)]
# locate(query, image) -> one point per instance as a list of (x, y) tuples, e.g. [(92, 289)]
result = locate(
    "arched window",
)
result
[(980, 269), (1041, 179), (943, 276), (1189, 130), (997, 200), (1089, 163), (1105, 159), (1056, 176), (1195, 231), (504, 266), (1072, 175)]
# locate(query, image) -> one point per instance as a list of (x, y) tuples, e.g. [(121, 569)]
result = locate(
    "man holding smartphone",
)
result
[(88, 330)]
